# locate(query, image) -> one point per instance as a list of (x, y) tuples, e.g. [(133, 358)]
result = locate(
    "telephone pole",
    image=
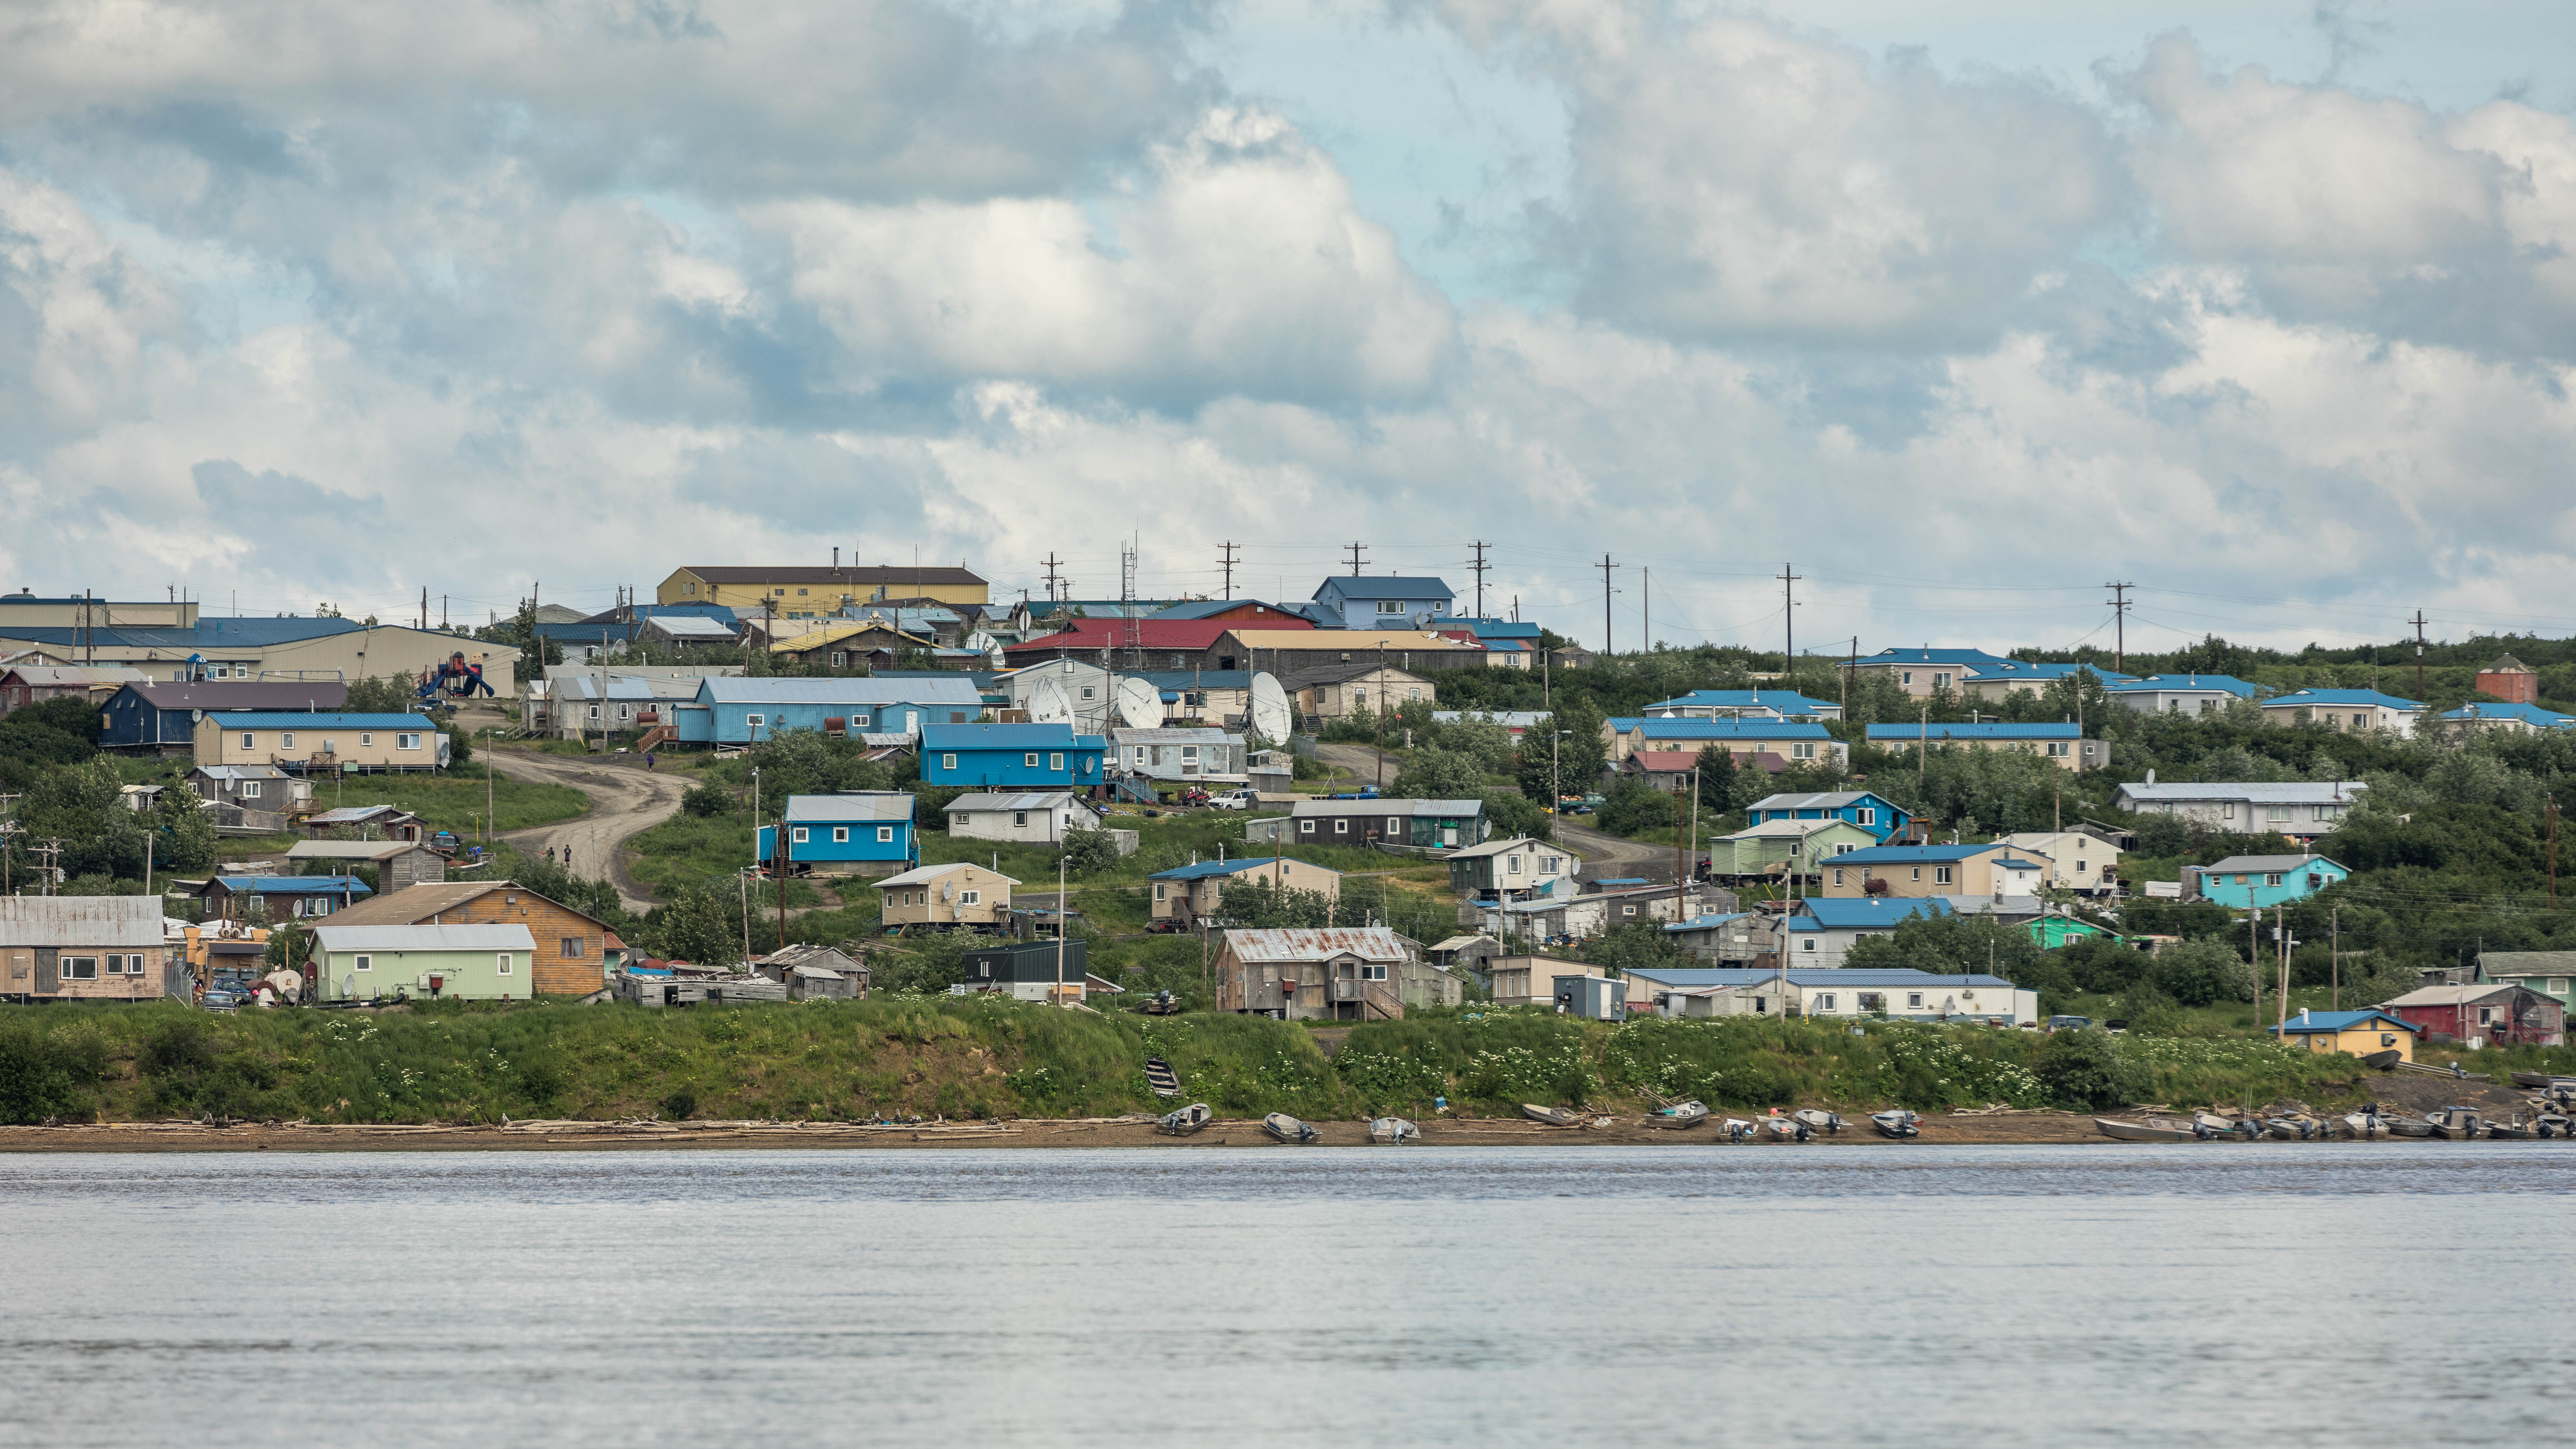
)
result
[(1052, 577), (2120, 626), (1226, 562), (2419, 656), (1356, 550), (1788, 622), (1605, 566), (1478, 568)]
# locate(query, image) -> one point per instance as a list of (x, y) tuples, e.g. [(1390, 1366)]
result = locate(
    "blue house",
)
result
[(864, 832), (1375, 601), (278, 897), (1734, 703), (1874, 813), (147, 715), (2062, 743), (2498, 716), (1994, 681), (745, 711), (2262, 881), (1011, 756)]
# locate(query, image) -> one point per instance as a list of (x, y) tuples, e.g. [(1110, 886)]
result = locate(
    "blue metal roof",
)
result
[(1007, 737), (1844, 913), (1904, 732), (301, 720), (2339, 1021), (2530, 714), (291, 885), (216, 634), (1703, 923), (1490, 628), (1722, 729), (1386, 586), (1786, 701), (2028, 669), (1933, 656), (1206, 868), (1911, 854), (2186, 683), (2342, 696), (1210, 608), (1695, 976)]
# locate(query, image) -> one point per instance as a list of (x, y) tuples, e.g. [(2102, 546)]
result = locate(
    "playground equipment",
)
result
[(455, 678)]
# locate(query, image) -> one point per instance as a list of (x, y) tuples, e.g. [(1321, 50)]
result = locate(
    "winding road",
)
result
[(625, 800)]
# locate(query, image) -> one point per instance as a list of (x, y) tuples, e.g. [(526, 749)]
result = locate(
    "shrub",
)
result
[(1090, 852), (2198, 973), (35, 1081), (708, 801), (2084, 1068), (679, 1106)]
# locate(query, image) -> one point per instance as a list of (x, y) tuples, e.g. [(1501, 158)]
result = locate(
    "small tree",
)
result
[(1090, 852)]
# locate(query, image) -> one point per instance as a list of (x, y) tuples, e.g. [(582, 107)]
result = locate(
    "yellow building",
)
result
[(818, 593), (306, 742), (2357, 1032)]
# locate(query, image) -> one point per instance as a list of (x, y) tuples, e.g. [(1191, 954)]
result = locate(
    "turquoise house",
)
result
[(2263, 881), (1011, 756), (865, 832)]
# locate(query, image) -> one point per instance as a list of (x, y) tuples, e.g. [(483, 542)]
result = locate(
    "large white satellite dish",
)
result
[(1140, 705), (1047, 705), (983, 643), (1270, 718)]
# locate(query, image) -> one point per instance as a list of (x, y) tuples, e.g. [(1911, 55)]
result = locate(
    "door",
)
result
[(912, 721)]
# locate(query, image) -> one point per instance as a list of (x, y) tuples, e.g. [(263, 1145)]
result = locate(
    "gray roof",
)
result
[(689, 626), (1024, 800), (1175, 735), (424, 938), (2527, 963), (131, 921), (864, 692), (252, 694), (856, 805), (351, 849), (1339, 673), (2286, 792), (1312, 943), (2264, 863), (1708, 976), (921, 874), (240, 772), (1500, 847), (354, 814)]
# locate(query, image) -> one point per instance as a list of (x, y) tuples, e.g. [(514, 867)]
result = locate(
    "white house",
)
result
[(2344, 709), (2077, 860), (2299, 809), (1193, 756), (2192, 694), (1899, 994), (1039, 817)]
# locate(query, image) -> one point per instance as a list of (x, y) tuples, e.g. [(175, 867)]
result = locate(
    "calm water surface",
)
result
[(2393, 1293)]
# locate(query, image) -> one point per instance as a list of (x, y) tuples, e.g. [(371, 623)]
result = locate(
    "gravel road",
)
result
[(625, 800)]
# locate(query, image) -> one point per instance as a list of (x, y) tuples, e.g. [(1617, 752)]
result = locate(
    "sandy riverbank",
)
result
[(635, 1136)]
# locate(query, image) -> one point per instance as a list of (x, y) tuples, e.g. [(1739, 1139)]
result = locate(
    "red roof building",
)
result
[(2501, 1013)]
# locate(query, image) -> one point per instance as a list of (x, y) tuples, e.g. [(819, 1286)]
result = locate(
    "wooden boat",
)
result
[(1187, 1120), (1679, 1115), (2382, 1061), (1825, 1122), (1552, 1116), (1897, 1123), (2454, 1124), (1287, 1128), (1736, 1129), (1160, 1076), (2152, 1129), (1393, 1131)]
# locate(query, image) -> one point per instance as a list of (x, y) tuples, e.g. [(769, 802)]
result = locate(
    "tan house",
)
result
[(82, 948), (960, 893), (2077, 860), (812, 593), (400, 864), (1342, 973), (309, 742), (1193, 893), (1915, 871), (1342, 691), (569, 959), (1291, 651)]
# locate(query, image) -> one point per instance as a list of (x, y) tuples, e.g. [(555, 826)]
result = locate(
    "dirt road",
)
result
[(1359, 762), (1607, 857), (625, 800)]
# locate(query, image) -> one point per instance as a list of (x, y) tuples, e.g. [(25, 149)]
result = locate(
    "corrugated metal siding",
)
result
[(122, 922)]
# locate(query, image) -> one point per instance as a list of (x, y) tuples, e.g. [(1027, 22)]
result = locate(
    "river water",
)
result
[(2194, 1295)]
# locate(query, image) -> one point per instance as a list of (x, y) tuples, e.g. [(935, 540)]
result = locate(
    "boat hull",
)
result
[(1286, 1128), (1552, 1116), (2144, 1132)]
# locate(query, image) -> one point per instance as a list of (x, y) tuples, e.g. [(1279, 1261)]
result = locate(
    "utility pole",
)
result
[(1478, 568), (2281, 950), (2334, 948), (2419, 656), (1051, 562), (1646, 635), (2550, 807), (1226, 562), (1922, 749), (1356, 550), (1381, 714), (1854, 668), (2120, 626), (1681, 844), (1605, 566), (1788, 623)]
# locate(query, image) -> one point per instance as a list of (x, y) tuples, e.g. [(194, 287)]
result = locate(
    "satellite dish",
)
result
[(983, 643), (1270, 718), (1046, 704), (1140, 705)]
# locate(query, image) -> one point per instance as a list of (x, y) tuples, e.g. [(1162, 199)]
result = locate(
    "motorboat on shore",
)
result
[(2542, 1081), (2153, 1129), (2382, 1061), (2454, 1124), (1552, 1116), (2514, 1128), (1393, 1131), (1187, 1120), (2554, 1124), (2366, 1125), (1897, 1123), (1287, 1128), (1736, 1129), (2294, 1129), (1784, 1128), (2245, 1128), (1820, 1121), (2404, 1126), (1679, 1115)]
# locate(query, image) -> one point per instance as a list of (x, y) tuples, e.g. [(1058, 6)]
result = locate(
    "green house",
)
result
[(2052, 932), (2546, 972), (1777, 846), (477, 963)]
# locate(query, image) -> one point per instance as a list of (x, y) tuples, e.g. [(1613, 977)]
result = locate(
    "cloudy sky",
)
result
[(1961, 309)]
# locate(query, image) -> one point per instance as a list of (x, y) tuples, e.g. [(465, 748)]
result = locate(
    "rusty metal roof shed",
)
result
[(1315, 943)]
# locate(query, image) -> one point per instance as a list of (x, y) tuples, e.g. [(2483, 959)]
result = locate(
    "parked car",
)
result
[(2069, 1023), (1235, 799)]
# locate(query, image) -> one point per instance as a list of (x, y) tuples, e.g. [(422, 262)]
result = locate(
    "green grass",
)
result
[(455, 802), (686, 852)]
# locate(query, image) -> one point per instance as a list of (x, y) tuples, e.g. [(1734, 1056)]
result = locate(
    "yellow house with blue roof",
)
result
[(2357, 1032)]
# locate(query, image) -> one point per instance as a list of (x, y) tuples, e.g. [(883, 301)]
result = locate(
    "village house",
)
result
[(363, 822), (469, 963), (1744, 704), (1592, 913), (1284, 652), (1011, 756), (2344, 709), (1464, 953), (251, 787), (2358, 1033), (1361, 690), (1035, 817), (1233, 611), (2484, 1013), (398, 863), (1150, 644), (857, 832), (1898, 994), (2064, 745), (315, 742), (1531, 980), (2259, 882), (1379, 601), (1781, 848), (2301, 810), (1921, 671), (274, 898), (288, 648), (1338, 973), (1801, 742), (959, 894), (569, 957), (2191, 694), (1178, 755), (1517, 868), (82, 948), (1421, 824), (742, 711), (1934, 870), (2482, 718), (2078, 860), (815, 973), (1194, 894), (1820, 929), (1508, 644), (1874, 813), (1997, 682), (1055, 970), (27, 682), (2547, 972), (1728, 935)]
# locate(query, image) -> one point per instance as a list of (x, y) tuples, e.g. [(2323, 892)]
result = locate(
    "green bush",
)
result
[(708, 801), (2084, 1068)]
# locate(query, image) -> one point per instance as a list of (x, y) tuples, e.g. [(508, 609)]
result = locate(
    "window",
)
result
[(1413, 694), (1825, 1001), (1511, 865), (1807, 944), (2277, 814), (1838, 877), (286, 742), (1918, 872), (778, 593), (797, 835), (501, 964), (1030, 760), (365, 738), (1386, 607), (1305, 827), (569, 948), (970, 898), (1372, 972), (1547, 865), (363, 963), (1342, 826), (2272, 879), (1088, 692), (1907, 677), (2057, 749), (839, 658), (250, 789), (1914, 1000), (2486, 1016), (1359, 697), (1055, 763), (885, 835), (840, 835), (1140, 756), (1872, 1001), (1189, 752), (1162, 890), (689, 588), (1627, 910), (754, 721), (1865, 816), (2558, 986), (800, 591), (1019, 817), (80, 968), (2227, 811), (948, 762), (1940, 875), (594, 714), (406, 742), (1940, 681)]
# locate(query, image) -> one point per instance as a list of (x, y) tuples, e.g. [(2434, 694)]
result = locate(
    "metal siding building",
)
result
[(861, 833), (166, 715), (1011, 756), (742, 711)]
